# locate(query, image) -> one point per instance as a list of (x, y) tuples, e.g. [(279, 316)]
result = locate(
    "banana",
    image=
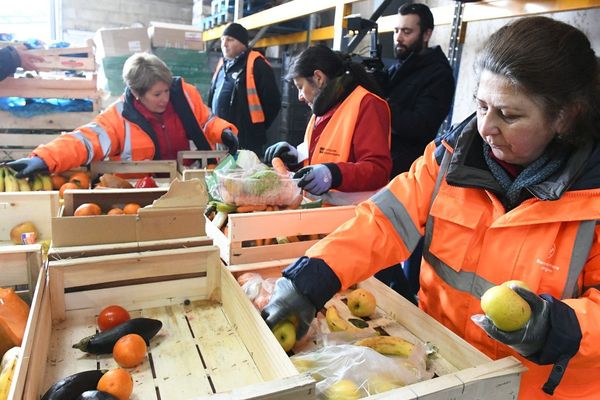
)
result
[(6, 379), (336, 323), (2, 170), (10, 182), (46, 182), (23, 185), (37, 184), (388, 345)]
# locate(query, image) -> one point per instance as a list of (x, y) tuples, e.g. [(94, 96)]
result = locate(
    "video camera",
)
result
[(357, 28)]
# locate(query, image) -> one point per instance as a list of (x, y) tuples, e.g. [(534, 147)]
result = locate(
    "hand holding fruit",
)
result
[(527, 335)]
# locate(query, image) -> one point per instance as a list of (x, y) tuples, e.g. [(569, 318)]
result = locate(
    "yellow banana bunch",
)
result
[(23, 185), (2, 173), (46, 182), (336, 323), (388, 345), (36, 184), (10, 182), (6, 379)]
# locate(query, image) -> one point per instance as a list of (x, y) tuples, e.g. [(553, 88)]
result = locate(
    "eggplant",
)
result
[(96, 395), (103, 342), (72, 386)]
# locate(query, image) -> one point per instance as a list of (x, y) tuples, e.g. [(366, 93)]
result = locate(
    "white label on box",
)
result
[(193, 36), (135, 45)]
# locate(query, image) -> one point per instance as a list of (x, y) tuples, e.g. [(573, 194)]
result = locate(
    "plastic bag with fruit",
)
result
[(352, 372)]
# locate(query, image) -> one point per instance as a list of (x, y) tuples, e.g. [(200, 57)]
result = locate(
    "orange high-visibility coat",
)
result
[(471, 244), (111, 136)]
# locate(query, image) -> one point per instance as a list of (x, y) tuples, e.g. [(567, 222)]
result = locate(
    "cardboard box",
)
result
[(121, 41), (175, 35), (179, 213)]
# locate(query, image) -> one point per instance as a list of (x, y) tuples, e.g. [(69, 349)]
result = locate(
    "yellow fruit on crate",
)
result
[(361, 302)]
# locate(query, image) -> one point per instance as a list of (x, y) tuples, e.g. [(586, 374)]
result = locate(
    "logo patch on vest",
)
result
[(329, 152)]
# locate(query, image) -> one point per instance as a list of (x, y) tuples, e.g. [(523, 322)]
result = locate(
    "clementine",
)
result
[(115, 211), (130, 350), (87, 209), (68, 185), (57, 181), (81, 178), (131, 208), (117, 382)]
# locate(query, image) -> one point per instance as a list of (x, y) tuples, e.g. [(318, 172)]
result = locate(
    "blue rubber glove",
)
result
[(28, 166), (288, 303), (283, 150), (316, 179), (229, 139)]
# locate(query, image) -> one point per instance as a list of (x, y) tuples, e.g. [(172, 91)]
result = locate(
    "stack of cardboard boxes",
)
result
[(179, 46)]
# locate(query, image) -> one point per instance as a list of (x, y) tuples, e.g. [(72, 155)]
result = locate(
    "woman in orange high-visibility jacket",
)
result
[(156, 117), (511, 194), (347, 140)]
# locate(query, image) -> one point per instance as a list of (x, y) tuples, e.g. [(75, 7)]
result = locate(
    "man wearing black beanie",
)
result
[(243, 89)]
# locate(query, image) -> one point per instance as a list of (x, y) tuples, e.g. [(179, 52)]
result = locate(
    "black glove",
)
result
[(316, 179), (283, 150), (28, 166), (529, 339), (229, 139), (288, 303)]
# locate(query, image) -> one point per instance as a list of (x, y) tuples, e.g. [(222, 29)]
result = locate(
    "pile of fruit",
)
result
[(10, 183), (127, 339), (90, 209)]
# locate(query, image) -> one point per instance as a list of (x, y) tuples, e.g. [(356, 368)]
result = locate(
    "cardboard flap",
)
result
[(183, 195)]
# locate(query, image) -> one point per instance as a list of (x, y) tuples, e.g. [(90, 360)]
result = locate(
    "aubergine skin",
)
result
[(72, 386), (95, 395), (103, 342)]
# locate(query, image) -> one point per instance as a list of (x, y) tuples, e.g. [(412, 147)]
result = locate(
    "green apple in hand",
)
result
[(285, 332), (361, 302)]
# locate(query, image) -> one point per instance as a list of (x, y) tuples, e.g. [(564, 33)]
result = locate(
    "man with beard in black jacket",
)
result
[(419, 91), (420, 86)]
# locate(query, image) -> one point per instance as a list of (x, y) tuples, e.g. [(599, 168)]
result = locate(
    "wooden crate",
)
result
[(270, 224), (213, 343), (463, 372), (37, 207), (137, 168), (20, 267), (198, 155)]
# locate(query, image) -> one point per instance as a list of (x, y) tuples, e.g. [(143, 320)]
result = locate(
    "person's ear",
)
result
[(565, 117), (427, 35), (320, 78)]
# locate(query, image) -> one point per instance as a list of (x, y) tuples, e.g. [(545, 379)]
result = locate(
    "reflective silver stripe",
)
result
[(579, 255), (126, 153), (397, 214), (103, 138), (438, 182), (255, 107), (252, 91), (119, 106), (211, 116), (87, 143)]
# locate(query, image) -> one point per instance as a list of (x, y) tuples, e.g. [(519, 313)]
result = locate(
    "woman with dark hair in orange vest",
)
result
[(157, 116), (512, 193), (347, 142)]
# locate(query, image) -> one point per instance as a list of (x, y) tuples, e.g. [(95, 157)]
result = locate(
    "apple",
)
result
[(343, 389), (285, 332), (505, 308), (361, 302)]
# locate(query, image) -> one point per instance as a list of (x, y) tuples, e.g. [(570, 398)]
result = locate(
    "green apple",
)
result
[(507, 310), (285, 332), (361, 302)]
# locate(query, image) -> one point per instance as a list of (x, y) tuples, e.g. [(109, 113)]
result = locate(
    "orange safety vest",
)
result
[(471, 244), (112, 137), (256, 112), (335, 142)]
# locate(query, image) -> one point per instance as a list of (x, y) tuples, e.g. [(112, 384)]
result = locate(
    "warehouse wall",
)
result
[(82, 16)]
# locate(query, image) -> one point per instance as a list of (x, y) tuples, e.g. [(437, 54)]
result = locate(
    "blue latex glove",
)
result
[(28, 166), (316, 179), (288, 303), (283, 150), (532, 337), (229, 139)]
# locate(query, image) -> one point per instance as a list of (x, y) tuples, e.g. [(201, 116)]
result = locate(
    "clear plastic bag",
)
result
[(348, 371)]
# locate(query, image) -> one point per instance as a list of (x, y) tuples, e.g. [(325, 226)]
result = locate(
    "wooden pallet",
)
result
[(271, 224), (462, 371), (213, 343)]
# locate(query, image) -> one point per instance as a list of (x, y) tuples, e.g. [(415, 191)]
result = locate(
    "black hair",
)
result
[(424, 13)]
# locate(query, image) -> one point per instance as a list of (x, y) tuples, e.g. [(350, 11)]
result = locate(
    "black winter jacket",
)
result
[(251, 136), (9, 61), (419, 93)]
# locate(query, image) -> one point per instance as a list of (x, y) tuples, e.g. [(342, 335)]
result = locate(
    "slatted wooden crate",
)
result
[(271, 224), (213, 343), (462, 371), (18, 207), (167, 168), (19, 268)]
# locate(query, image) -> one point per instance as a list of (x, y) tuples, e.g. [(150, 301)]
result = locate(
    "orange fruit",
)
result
[(131, 208), (117, 382), (115, 211), (68, 185), (130, 350), (57, 181), (81, 178), (88, 209)]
